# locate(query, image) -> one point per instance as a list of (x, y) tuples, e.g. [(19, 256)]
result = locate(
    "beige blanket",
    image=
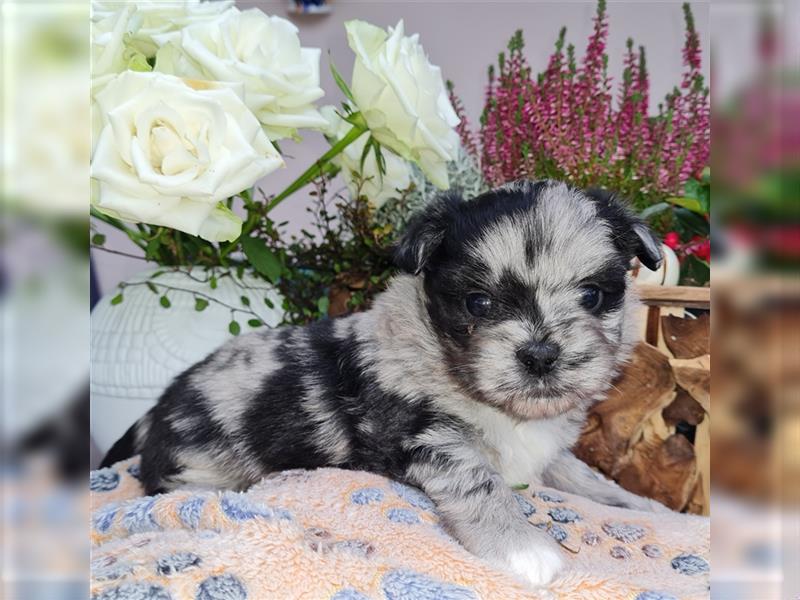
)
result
[(342, 535)]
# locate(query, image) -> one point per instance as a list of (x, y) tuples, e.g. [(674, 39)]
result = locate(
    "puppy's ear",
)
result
[(648, 248), (424, 234), (631, 234)]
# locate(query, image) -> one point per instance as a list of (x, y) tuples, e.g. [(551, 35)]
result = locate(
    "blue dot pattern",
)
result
[(527, 508), (557, 532), (221, 587), (104, 517), (175, 563), (409, 585), (136, 590), (651, 551), (349, 594), (103, 480), (413, 496), (624, 532), (366, 496), (549, 496), (651, 595), (240, 508), (563, 515), (189, 512), (135, 471), (402, 515), (111, 572), (357, 547), (138, 517), (690, 564)]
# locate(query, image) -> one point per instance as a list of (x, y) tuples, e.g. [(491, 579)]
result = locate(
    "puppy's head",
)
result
[(527, 290)]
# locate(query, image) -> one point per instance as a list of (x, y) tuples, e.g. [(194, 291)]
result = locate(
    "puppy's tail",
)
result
[(125, 447)]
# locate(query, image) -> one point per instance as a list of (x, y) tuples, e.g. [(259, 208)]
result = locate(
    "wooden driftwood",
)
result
[(651, 435)]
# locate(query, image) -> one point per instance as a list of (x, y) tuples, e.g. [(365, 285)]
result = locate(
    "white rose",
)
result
[(403, 98), (376, 187), (170, 150), (154, 17), (281, 78), (108, 47)]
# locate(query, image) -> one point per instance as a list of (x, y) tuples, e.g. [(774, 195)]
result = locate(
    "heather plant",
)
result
[(566, 123)]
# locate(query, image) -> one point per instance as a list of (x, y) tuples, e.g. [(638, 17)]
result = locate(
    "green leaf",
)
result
[(379, 158), (165, 302), (255, 323), (691, 204), (323, 304), (152, 287), (262, 258), (152, 248), (340, 80), (116, 299), (690, 224), (269, 303), (653, 210), (213, 282), (98, 239), (365, 153), (245, 300), (695, 271), (234, 328), (200, 304), (520, 486)]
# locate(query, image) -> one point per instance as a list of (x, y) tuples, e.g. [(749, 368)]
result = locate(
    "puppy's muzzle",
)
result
[(539, 358)]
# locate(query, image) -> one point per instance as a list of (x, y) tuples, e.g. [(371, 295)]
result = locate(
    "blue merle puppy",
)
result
[(472, 371)]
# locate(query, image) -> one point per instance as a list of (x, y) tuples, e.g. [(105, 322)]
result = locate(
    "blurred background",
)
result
[(46, 290)]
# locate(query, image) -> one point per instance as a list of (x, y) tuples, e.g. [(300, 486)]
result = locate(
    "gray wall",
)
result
[(463, 38)]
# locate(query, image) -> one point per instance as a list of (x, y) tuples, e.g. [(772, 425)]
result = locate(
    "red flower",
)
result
[(672, 239), (699, 247)]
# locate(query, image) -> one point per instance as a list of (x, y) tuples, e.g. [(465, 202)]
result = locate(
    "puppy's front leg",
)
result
[(479, 509), (570, 474)]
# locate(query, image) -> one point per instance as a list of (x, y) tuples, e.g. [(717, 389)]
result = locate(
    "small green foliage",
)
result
[(98, 239), (164, 301), (255, 322), (117, 299), (212, 282), (151, 286), (245, 300), (520, 486), (262, 258), (234, 327), (200, 304)]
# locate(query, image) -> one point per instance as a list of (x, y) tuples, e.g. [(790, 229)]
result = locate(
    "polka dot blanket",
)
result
[(343, 535)]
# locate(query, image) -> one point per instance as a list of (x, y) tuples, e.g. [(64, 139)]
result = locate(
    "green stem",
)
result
[(314, 170), (135, 237)]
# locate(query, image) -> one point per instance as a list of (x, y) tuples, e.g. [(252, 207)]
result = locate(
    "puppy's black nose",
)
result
[(539, 357)]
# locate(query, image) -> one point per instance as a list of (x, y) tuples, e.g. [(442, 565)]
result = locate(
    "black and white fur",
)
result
[(421, 390)]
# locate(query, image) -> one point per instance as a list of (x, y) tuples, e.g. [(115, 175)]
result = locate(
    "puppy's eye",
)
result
[(478, 305), (591, 297)]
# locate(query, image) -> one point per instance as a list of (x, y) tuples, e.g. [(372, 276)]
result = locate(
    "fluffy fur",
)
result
[(419, 388)]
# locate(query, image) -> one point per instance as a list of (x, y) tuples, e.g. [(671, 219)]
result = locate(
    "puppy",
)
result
[(472, 371)]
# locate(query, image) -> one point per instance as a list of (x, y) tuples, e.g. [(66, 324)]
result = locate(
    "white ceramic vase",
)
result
[(138, 346)]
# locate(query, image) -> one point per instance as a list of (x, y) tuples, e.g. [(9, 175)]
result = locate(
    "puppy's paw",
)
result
[(536, 564)]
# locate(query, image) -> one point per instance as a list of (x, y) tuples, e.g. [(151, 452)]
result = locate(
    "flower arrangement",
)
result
[(566, 123), (190, 102)]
